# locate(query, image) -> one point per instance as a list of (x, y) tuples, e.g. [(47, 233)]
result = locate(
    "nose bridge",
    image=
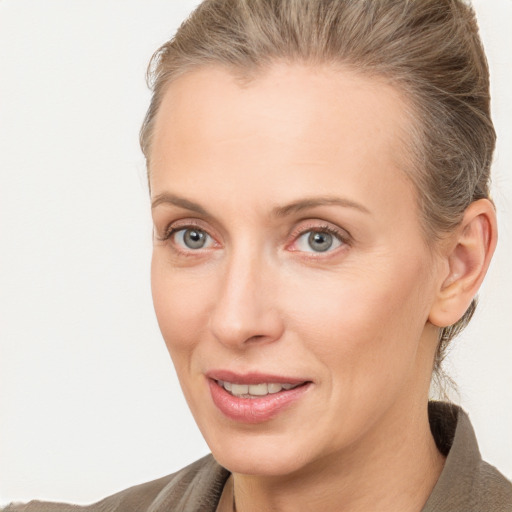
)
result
[(245, 309)]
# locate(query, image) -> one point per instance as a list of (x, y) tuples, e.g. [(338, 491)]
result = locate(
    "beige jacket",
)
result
[(466, 484)]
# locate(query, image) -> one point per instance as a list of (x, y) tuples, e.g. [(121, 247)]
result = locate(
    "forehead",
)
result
[(291, 122)]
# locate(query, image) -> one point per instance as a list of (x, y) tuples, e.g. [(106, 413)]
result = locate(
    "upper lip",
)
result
[(252, 377)]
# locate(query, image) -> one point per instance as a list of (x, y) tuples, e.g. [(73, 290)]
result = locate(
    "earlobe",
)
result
[(468, 258)]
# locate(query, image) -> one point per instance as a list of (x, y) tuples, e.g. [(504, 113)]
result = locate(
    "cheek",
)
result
[(181, 304), (363, 321)]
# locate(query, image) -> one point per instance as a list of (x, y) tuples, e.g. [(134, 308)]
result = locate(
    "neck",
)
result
[(394, 468)]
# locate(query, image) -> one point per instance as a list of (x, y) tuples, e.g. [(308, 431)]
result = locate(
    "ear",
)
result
[(467, 259)]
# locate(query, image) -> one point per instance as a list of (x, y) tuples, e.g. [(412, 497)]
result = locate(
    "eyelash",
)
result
[(342, 236), (171, 230)]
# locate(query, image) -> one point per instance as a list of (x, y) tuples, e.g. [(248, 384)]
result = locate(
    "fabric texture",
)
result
[(466, 484)]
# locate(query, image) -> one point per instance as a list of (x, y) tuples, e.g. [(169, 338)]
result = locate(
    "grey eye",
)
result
[(192, 238), (320, 241)]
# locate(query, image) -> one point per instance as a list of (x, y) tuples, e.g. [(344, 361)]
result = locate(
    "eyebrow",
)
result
[(178, 201), (312, 202), (278, 211)]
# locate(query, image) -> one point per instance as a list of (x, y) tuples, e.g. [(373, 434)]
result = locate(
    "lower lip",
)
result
[(254, 410)]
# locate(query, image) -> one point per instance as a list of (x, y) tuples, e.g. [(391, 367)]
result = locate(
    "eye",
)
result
[(191, 238), (319, 240)]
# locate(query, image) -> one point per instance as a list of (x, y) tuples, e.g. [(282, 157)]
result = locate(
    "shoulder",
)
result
[(467, 483), (490, 487), (195, 487)]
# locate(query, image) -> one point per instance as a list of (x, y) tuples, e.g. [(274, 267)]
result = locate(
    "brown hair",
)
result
[(429, 49)]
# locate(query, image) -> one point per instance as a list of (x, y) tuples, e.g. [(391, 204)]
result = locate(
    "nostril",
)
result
[(256, 337), (237, 322)]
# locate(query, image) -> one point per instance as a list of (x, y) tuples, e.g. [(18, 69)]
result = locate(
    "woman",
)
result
[(319, 177)]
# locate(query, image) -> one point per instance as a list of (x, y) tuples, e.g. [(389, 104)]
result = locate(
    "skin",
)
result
[(356, 320)]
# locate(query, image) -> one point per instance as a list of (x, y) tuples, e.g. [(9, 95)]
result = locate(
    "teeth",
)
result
[(254, 390), (258, 389), (239, 389), (274, 388)]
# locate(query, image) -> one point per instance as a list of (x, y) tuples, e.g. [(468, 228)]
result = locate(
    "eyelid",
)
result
[(320, 227), (176, 226)]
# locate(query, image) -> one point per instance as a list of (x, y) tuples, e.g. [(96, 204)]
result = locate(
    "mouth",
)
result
[(255, 398), (253, 391)]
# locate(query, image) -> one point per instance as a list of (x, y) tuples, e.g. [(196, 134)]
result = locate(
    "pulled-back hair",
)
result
[(429, 49)]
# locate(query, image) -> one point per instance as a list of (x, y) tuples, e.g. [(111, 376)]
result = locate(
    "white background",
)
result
[(89, 403)]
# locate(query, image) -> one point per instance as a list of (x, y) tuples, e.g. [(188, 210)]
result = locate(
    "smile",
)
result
[(255, 398), (255, 390)]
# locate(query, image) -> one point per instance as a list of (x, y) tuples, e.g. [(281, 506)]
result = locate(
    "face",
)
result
[(290, 276)]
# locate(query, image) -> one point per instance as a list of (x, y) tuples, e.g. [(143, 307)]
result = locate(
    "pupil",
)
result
[(320, 241), (194, 239)]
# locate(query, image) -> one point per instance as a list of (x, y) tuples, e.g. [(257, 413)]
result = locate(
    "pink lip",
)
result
[(252, 377), (253, 410)]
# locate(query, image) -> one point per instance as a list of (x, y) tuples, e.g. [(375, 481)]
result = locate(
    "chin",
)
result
[(260, 455)]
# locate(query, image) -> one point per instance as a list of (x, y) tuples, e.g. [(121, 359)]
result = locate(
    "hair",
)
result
[(430, 50)]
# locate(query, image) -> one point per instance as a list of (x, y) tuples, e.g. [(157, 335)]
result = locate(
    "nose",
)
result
[(246, 309)]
